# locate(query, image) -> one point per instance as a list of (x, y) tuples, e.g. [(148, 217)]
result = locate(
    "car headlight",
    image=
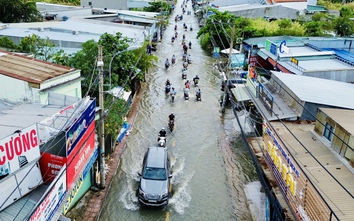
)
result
[(165, 194), (142, 193)]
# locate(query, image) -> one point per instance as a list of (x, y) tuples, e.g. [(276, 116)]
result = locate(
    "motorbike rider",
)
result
[(173, 93), (190, 45), (175, 27), (198, 94), (184, 56), (184, 73), (184, 36), (176, 34), (196, 80), (167, 63), (186, 92), (173, 39), (185, 64), (173, 59), (168, 82), (189, 59), (171, 117), (188, 84), (162, 133)]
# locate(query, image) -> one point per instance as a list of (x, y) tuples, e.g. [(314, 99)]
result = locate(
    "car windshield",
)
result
[(152, 173)]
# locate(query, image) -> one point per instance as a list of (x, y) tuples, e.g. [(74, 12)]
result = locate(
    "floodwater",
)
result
[(211, 163)]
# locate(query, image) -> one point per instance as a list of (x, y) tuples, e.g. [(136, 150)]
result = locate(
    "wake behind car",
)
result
[(154, 187)]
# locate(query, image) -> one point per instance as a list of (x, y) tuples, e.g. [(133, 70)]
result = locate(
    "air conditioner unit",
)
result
[(40, 29), (75, 32)]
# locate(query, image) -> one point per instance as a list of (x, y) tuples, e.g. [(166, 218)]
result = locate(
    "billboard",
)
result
[(51, 200), (81, 155), (51, 165), (78, 129), (18, 149)]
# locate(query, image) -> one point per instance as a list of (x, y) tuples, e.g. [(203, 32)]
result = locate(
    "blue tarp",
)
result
[(123, 131)]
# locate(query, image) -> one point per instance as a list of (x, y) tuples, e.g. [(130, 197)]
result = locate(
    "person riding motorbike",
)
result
[(185, 64), (173, 93), (173, 39), (175, 27), (167, 63), (184, 36), (162, 133), (196, 80), (168, 82), (186, 93), (184, 73), (173, 59), (171, 117), (190, 45), (189, 59), (191, 29), (176, 34), (198, 95), (184, 56), (188, 84)]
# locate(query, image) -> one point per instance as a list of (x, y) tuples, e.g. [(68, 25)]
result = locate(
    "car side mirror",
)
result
[(139, 173), (170, 176)]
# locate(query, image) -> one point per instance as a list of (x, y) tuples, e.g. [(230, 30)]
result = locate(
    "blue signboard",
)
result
[(273, 48), (75, 132)]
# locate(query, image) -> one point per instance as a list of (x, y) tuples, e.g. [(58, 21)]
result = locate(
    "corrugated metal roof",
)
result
[(344, 118), (18, 116), (318, 90), (29, 69)]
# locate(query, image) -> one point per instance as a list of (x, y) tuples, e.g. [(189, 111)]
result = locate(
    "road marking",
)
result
[(167, 215)]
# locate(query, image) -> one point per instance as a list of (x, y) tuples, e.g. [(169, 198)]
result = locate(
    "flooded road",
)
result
[(211, 163)]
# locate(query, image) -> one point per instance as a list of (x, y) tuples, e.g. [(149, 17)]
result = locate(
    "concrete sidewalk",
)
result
[(89, 207)]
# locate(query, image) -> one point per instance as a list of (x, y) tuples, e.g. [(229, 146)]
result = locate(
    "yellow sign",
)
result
[(283, 169), (294, 60)]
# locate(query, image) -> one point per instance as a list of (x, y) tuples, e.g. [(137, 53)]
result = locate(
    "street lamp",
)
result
[(131, 48)]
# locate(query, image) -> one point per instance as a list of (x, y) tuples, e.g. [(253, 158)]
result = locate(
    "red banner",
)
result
[(80, 155), (50, 166)]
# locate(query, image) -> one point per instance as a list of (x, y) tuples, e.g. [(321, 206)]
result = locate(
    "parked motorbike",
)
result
[(171, 125)]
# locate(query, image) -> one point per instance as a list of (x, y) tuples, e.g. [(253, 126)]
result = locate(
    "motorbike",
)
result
[(189, 60), (190, 45), (167, 65), (184, 74), (185, 65), (173, 61), (191, 29), (171, 125), (162, 141), (195, 81), (172, 39), (167, 89), (172, 98), (198, 96), (186, 95)]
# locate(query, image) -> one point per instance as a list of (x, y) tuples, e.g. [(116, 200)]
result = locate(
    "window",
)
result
[(328, 132)]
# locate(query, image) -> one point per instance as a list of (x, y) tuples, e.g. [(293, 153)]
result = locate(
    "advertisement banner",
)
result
[(80, 186), (78, 129), (52, 199), (18, 149), (51, 165), (80, 155)]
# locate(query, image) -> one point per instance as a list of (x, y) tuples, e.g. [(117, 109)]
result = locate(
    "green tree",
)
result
[(40, 48), (6, 42), (313, 28), (15, 11), (344, 26)]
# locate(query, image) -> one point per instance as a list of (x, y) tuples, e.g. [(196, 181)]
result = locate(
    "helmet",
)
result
[(196, 76), (163, 128)]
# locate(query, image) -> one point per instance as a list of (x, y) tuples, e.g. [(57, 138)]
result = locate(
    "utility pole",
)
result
[(226, 88), (101, 103)]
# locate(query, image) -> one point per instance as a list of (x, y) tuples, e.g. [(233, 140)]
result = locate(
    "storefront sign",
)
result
[(76, 131), (18, 149)]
